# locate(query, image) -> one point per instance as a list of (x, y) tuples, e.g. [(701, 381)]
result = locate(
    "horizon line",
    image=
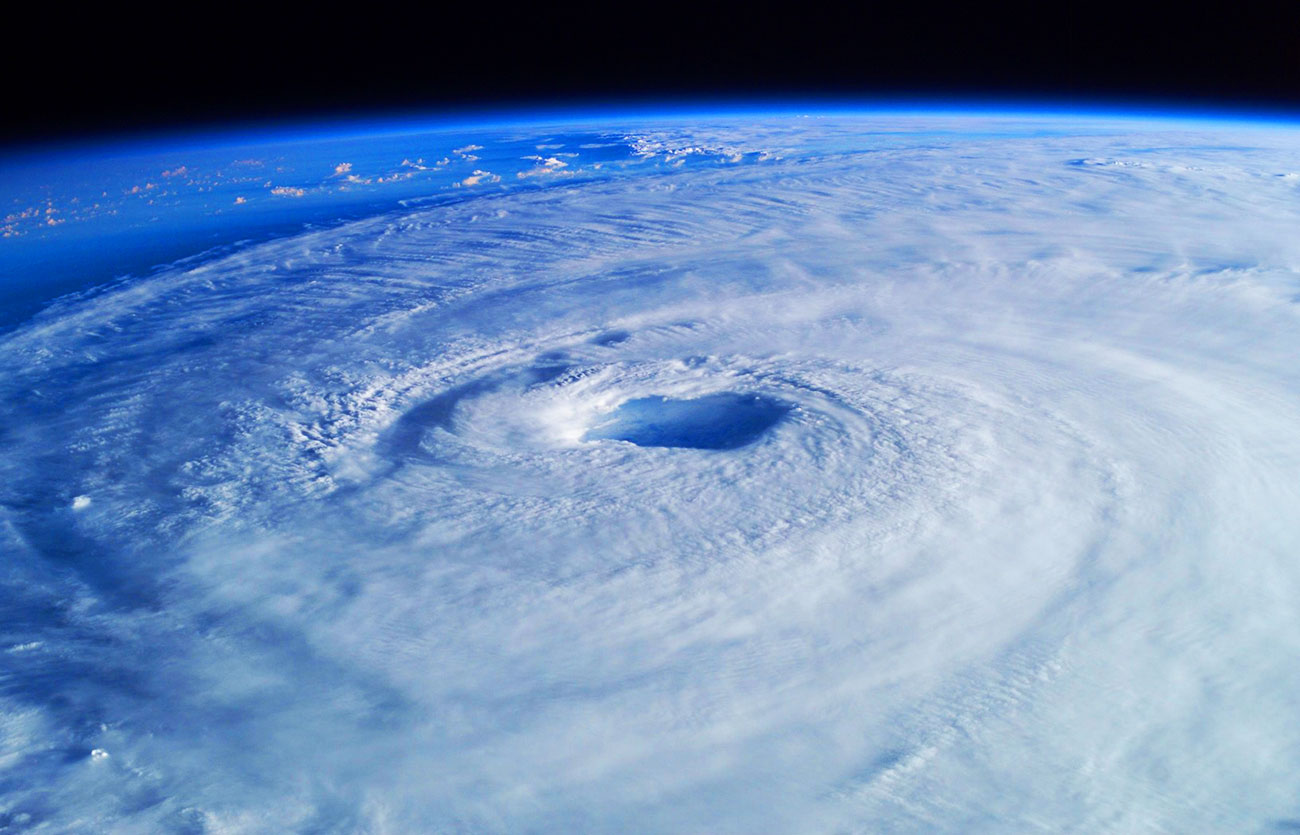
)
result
[(399, 120)]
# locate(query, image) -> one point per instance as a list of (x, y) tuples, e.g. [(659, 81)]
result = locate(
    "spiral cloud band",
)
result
[(892, 474)]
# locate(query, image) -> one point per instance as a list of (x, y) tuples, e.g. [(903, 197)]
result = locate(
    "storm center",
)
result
[(716, 421)]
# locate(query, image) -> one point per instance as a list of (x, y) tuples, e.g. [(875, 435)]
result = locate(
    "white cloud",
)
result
[(479, 176), (545, 165)]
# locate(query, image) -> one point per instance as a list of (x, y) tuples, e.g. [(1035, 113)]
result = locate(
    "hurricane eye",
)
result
[(716, 421)]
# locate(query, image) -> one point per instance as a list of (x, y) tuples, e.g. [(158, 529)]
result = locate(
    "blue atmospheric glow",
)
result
[(376, 124)]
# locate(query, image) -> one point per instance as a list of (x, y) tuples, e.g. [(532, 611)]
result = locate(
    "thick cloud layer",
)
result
[(907, 475)]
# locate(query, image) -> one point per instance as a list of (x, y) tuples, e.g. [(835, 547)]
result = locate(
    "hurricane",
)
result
[(848, 473)]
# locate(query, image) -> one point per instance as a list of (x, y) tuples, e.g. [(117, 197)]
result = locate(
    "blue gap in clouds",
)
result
[(716, 421)]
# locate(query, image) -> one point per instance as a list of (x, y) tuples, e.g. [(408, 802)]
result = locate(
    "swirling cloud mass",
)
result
[(898, 475)]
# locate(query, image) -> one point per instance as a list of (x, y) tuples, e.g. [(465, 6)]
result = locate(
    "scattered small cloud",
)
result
[(545, 165), (287, 191), (420, 165), (479, 176), (466, 153)]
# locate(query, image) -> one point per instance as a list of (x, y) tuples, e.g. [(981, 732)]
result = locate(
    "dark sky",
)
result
[(110, 71)]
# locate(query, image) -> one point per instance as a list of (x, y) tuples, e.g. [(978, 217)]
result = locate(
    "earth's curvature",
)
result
[(880, 472)]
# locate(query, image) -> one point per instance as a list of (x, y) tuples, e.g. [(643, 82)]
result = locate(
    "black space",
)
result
[(110, 71)]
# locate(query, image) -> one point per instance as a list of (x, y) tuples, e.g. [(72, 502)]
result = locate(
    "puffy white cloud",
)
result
[(545, 165), (480, 176)]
